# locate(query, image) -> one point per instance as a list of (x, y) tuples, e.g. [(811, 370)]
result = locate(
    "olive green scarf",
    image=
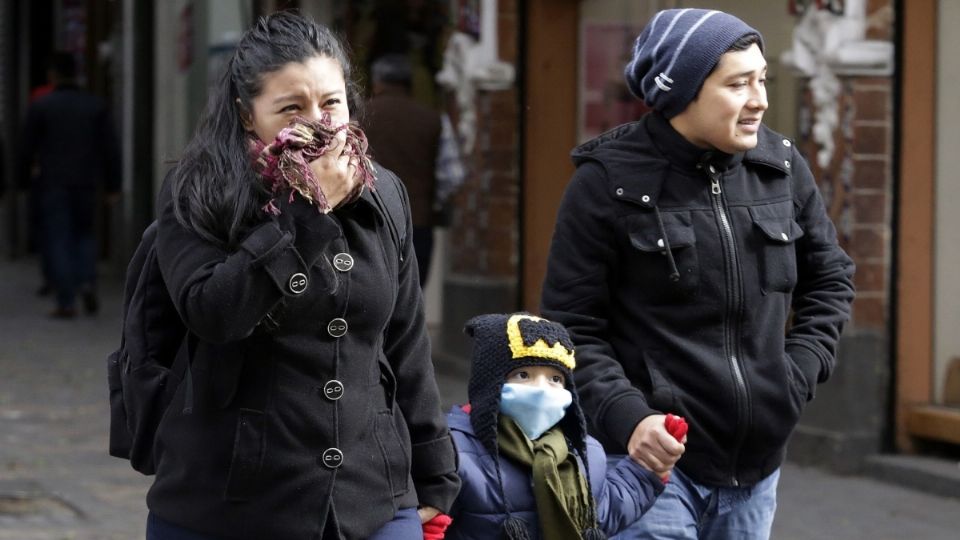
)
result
[(563, 498)]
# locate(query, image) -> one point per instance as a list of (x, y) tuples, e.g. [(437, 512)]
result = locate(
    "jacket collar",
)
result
[(638, 157), (366, 198), (682, 154)]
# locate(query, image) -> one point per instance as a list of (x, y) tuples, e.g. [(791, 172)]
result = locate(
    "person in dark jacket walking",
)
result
[(404, 137), (70, 141), (315, 409), (528, 467), (682, 244)]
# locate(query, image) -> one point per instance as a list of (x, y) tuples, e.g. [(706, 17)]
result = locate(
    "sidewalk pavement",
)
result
[(57, 481)]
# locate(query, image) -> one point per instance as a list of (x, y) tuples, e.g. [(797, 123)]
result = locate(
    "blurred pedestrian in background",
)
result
[(69, 152), (35, 223), (404, 137)]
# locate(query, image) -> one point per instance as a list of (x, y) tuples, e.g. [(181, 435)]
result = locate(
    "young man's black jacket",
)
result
[(676, 270), (313, 385)]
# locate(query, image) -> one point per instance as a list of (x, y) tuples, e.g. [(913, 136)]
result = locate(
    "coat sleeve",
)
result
[(222, 294), (824, 291), (577, 294), (407, 348), (624, 493)]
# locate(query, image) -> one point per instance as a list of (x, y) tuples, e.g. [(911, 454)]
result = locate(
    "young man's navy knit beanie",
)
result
[(676, 52)]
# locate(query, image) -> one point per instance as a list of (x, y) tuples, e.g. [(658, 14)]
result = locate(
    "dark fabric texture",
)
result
[(404, 137), (3, 168), (622, 492), (333, 400), (405, 525), (676, 52), (560, 490), (710, 346)]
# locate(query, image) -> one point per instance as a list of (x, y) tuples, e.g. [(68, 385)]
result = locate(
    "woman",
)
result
[(315, 409)]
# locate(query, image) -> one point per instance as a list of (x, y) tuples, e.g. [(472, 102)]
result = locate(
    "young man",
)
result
[(682, 244)]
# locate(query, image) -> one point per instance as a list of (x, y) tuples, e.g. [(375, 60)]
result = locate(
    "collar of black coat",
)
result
[(638, 157), (366, 198)]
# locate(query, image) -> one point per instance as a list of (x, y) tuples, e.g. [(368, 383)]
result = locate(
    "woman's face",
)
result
[(306, 89)]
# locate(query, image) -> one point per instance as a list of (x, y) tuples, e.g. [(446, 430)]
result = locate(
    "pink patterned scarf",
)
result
[(284, 164)]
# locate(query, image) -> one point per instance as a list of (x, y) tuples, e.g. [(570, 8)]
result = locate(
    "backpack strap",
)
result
[(148, 268), (390, 199)]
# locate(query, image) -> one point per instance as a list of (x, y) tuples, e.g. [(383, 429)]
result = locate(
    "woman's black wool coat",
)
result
[(313, 386)]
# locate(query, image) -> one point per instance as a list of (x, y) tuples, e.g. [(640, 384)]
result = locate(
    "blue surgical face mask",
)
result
[(534, 408)]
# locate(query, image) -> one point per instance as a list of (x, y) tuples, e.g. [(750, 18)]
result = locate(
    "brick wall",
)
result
[(857, 186), (484, 235), (485, 227)]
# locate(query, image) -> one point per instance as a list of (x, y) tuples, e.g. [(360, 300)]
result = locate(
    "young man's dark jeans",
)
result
[(689, 510)]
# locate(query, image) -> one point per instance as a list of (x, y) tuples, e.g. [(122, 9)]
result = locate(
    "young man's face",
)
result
[(726, 113)]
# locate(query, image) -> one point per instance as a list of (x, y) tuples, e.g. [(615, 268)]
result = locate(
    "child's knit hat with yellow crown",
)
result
[(503, 343)]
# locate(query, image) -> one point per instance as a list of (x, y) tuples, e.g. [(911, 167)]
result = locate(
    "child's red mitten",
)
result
[(436, 527), (676, 426)]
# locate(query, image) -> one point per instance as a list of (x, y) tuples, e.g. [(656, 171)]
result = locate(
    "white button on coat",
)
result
[(297, 283)]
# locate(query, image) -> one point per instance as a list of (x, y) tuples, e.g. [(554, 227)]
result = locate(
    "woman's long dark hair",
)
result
[(215, 190)]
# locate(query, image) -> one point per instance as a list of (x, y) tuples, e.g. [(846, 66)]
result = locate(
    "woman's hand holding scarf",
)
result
[(325, 164)]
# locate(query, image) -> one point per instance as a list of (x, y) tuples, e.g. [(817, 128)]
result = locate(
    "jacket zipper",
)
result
[(732, 319)]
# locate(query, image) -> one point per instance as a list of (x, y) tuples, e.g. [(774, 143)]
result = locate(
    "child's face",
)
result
[(537, 376)]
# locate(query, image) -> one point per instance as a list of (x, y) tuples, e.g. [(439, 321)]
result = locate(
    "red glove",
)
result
[(676, 426), (436, 527)]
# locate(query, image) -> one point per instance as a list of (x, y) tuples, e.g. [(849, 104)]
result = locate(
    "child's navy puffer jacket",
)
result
[(622, 493)]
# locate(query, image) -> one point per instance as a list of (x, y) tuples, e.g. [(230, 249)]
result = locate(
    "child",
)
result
[(526, 460)]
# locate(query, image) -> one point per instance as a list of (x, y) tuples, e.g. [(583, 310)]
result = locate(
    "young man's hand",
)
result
[(653, 447), (436, 527), (427, 513)]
